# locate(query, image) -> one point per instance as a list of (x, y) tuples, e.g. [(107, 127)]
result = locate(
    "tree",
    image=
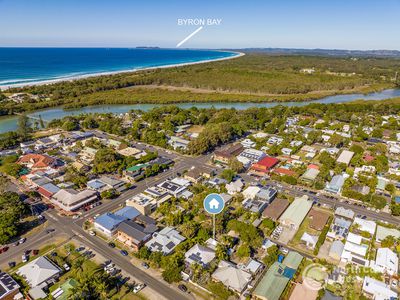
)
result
[(243, 251), (235, 165), (144, 253), (219, 290), (228, 174), (23, 127), (11, 209), (221, 252), (388, 242), (172, 274)]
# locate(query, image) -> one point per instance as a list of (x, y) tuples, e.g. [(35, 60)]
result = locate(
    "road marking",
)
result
[(189, 37)]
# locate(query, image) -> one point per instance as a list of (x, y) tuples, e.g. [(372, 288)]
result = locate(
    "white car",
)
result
[(138, 287), (66, 267), (24, 258), (92, 233)]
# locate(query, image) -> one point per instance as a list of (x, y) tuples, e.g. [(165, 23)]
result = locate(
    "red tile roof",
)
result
[(313, 166), (283, 171), (44, 193), (37, 160)]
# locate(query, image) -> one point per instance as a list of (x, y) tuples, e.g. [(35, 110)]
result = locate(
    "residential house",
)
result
[(275, 280), (336, 250), (199, 254), (296, 212), (335, 185), (165, 241), (40, 272), (177, 187), (234, 187), (378, 289), (37, 161), (9, 288), (318, 219), (247, 143), (134, 235), (366, 225), (309, 239), (339, 228), (231, 276), (310, 175), (345, 157), (355, 250), (386, 261), (384, 232)]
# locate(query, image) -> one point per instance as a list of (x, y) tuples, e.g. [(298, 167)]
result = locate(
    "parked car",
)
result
[(49, 230), (111, 244), (12, 264), (4, 249), (183, 288), (124, 252), (145, 266), (66, 267), (22, 240), (25, 258), (35, 252), (138, 287), (92, 233)]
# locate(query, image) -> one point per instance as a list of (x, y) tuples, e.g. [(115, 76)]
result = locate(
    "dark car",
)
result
[(124, 252), (50, 230), (111, 244), (183, 288), (12, 264), (35, 252)]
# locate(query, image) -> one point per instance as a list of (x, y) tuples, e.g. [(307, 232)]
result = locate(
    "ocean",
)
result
[(20, 66)]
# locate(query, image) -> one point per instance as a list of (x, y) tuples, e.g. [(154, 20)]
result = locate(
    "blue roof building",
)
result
[(128, 212), (107, 223)]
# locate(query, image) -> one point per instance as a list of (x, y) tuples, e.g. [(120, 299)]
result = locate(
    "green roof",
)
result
[(66, 287), (137, 167), (273, 284), (297, 211)]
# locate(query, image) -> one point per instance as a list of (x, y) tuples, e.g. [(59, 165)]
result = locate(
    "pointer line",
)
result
[(189, 36)]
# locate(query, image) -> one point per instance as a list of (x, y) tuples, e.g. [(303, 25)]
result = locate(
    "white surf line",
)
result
[(189, 37)]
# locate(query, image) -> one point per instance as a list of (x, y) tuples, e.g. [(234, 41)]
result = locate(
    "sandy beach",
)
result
[(77, 77)]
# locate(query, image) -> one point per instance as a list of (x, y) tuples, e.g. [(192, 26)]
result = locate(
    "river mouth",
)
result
[(9, 123)]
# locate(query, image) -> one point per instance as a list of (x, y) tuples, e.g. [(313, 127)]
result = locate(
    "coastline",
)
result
[(83, 76)]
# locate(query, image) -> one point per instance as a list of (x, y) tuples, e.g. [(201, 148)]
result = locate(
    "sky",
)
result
[(338, 24)]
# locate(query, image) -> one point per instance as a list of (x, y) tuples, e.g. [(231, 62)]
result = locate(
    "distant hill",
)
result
[(325, 52)]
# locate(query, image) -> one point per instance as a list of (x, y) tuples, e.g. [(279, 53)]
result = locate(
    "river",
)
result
[(9, 123)]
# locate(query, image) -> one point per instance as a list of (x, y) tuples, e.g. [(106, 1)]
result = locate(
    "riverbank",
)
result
[(127, 71), (9, 123)]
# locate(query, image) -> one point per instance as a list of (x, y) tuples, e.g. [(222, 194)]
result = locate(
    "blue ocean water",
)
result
[(27, 65)]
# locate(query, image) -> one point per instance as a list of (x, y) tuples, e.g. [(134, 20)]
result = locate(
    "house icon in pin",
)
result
[(214, 204)]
